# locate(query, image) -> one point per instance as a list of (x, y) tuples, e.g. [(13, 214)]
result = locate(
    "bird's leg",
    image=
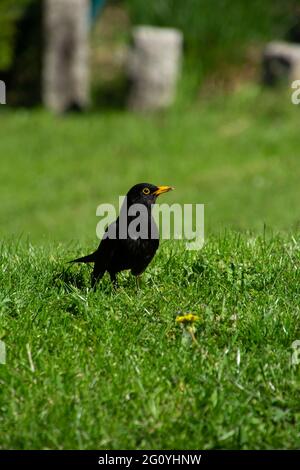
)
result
[(97, 274), (113, 279), (94, 281), (138, 281)]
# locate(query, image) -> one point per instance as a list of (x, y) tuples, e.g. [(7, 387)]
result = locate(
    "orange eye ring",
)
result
[(146, 191)]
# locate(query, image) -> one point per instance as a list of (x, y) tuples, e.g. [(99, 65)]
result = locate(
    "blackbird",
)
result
[(132, 240)]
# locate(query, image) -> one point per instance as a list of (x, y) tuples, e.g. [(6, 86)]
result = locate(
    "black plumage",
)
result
[(132, 240)]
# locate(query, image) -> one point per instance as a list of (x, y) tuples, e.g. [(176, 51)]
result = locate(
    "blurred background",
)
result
[(102, 94)]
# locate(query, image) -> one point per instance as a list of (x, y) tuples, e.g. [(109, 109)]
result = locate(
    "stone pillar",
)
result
[(65, 64), (154, 64)]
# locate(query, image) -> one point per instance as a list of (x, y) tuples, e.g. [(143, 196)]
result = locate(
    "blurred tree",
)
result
[(10, 12), (216, 31), (20, 50), (24, 82)]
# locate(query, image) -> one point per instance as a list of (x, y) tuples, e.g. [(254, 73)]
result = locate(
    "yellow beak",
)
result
[(162, 189)]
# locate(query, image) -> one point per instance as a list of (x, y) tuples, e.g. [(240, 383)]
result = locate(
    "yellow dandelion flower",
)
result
[(188, 318)]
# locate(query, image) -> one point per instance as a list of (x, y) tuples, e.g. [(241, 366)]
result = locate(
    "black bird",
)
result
[(132, 240)]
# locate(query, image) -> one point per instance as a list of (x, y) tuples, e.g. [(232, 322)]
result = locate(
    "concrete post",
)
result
[(154, 65), (65, 65)]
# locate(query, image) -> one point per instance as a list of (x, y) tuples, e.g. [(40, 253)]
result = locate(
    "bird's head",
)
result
[(145, 193)]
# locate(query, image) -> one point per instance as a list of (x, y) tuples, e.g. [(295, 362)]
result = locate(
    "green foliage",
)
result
[(10, 12), (216, 31), (108, 369)]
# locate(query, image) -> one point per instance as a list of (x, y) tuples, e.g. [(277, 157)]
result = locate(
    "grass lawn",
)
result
[(109, 369), (112, 369), (239, 155)]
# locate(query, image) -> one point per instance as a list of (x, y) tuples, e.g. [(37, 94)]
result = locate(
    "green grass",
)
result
[(239, 155), (110, 369)]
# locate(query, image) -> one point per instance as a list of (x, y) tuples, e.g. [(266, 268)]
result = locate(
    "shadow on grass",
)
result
[(68, 278)]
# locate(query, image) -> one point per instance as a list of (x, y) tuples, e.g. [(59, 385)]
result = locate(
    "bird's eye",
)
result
[(146, 191)]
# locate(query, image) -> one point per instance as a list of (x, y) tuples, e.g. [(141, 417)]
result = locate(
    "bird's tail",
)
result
[(85, 259)]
